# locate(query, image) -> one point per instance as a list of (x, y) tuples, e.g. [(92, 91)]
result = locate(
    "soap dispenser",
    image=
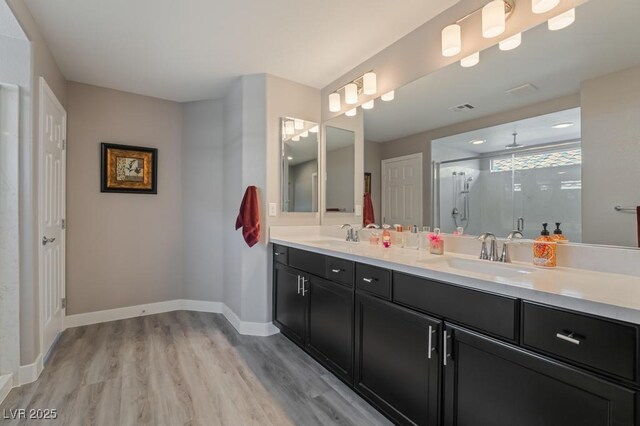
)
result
[(544, 249), (557, 236), (386, 236)]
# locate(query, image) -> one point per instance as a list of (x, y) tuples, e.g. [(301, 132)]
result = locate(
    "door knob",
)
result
[(46, 240)]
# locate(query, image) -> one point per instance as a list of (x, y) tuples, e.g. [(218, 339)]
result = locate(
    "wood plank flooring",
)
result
[(185, 368)]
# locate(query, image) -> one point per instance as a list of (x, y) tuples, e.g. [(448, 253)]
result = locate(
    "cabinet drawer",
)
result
[(488, 312), (373, 280), (280, 254), (340, 271), (307, 261), (598, 343)]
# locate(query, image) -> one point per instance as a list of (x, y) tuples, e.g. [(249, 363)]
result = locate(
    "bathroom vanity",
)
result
[(429, 347)]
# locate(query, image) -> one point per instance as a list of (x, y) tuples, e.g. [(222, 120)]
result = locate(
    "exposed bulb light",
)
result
[(296, 138), (289, 158), (471, 60), (314, 129), (305, 134), (543, 6), (368, 105), (451, 40), (369, 83), (511, 42), (351, 112), (494, 19), (477, 142), (389, 96), (351, 94), (288, 127), (298, 124), (563, 20), (334, 102), (562, 125)]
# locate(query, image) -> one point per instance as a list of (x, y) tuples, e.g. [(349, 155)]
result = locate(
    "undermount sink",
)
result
[(483, 266)]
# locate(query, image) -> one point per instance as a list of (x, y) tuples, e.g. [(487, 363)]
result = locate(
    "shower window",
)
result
[(569, 157)]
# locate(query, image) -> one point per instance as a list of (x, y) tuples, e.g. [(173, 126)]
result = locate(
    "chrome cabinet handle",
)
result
[(336, 271), (368, 280), (568, 338), (276, 253), (299, 283), (46, 240), (429, 348), (445, 354), (304, 291)]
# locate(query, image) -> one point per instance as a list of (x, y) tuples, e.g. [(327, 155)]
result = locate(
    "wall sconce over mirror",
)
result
[(299, 165)]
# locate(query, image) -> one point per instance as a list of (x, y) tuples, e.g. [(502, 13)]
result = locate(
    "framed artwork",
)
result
[(132, 169), (367, 182)]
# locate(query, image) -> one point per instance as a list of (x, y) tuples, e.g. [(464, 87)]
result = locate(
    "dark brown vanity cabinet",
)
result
[(289, 304), (490, 383), (397, 360)]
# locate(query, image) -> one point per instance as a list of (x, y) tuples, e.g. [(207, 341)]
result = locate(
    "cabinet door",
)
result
[(330, 326), (397, 361), (491, 383), (289, 303)]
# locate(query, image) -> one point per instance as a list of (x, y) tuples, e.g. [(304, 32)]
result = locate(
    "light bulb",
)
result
[(334, 102), (471, 60), (368, 105), (511, 42), (543, 6), (298, 124), (451, 40), (305, 134), (351, 112), (314, 129), (351, 94), (369, 83), (493, 19), (296, 138), (563, 20), (288, 127), (389, 96)]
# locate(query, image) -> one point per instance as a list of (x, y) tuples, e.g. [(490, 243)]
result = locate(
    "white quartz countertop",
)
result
[(608, 295)]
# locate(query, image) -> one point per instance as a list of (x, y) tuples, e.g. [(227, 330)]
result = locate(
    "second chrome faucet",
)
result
[(491, 253)]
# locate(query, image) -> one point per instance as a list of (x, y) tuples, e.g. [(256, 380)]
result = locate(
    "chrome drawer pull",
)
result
[(368, 280), (277, 254), (299, 283), (429, 344), (336, 271), (568, 338)]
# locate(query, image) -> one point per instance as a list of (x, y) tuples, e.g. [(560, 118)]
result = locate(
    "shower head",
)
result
[(514, 144)]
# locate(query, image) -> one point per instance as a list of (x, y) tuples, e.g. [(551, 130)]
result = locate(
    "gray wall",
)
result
[(340, 179), (300, 177), (373, 165), (122, 249), (611, 157), (202, 192)]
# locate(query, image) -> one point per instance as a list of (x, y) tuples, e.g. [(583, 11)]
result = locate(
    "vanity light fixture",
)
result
[(451, 40), (368, 105), (298, 124), (389, 96), (351, 112), (351, 94), (511, 42), (296, 138), (471, 60), (563, 20), (477, 142), (369, 83), (334, 102), (314, 129), (543, 6), (562, 125), (305, 134), (289, 127), (494, 19)]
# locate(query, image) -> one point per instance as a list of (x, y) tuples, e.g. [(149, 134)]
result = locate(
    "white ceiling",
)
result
[(9, 26), (187, 50), (603, 39), (532, 131)]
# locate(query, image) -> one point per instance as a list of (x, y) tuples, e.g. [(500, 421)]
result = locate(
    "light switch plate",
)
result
[(273, 209), (358, 210)]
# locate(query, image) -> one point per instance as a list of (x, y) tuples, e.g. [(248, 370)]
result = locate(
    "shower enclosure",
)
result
[(512, 189)]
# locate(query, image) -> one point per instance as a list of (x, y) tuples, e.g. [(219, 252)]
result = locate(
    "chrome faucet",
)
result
[(352, 234), (492, 253), (515, 234)]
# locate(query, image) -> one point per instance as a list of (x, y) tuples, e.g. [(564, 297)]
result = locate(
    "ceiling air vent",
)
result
[(524, 90), (461, 107)]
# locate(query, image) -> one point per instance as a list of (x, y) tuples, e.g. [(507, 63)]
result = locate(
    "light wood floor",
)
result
[(186, 368)]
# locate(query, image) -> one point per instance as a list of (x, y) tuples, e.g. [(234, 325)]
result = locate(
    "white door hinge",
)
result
[(64, 144), (64, 303), (64, 223)]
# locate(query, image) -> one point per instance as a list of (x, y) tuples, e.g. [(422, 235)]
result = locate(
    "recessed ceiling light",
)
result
[(477, 142), (562, 125)]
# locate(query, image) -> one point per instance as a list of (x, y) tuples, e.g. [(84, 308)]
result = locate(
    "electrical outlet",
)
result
[(273, 209), (358, 210)]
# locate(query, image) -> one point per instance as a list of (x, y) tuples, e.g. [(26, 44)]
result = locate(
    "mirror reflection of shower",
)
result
[(461, 192)]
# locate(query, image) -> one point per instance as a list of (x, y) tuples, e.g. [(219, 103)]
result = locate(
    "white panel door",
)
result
[(402, 190), (52, 141)]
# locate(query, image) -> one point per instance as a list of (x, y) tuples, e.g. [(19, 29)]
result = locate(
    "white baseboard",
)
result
[(243, 327), (30, 372), (6, 383)]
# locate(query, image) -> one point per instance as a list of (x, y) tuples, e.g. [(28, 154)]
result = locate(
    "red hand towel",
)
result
[(249, 216), (368, 216)]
